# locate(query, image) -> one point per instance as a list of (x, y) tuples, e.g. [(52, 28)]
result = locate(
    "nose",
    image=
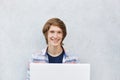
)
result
[(55, 35)]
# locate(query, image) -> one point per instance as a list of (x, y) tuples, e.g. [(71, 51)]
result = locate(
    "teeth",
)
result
[(52, 38)]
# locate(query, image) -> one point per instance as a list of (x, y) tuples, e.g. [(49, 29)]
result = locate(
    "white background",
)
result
[(93, 34)]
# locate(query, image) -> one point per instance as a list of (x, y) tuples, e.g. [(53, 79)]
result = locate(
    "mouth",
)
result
[(55, 40)]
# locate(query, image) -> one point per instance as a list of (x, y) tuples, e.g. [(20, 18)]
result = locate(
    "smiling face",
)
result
[(55, 36), (54, 26)]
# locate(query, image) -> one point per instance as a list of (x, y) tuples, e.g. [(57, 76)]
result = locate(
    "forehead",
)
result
[(56, 28)]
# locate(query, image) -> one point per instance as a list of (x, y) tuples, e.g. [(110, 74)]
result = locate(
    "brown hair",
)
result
[(54, 22)]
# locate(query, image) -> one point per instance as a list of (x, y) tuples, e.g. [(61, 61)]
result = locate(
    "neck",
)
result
[(54, 51)]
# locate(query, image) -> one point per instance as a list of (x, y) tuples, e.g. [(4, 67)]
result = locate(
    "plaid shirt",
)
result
[(42, 57)]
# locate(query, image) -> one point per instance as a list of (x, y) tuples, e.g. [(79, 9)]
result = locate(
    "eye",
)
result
[(52, 31), (59, 32)]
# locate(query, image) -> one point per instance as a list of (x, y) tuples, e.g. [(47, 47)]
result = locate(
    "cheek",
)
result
[(62, 36), (49, 35)]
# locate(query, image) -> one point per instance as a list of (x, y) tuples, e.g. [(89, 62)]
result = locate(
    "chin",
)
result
[(56, 44)]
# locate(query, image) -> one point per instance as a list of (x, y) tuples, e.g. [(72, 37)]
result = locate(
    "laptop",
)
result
[(40, 71)]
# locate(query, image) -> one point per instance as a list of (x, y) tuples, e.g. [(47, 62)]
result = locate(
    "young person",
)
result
[(54, 32)]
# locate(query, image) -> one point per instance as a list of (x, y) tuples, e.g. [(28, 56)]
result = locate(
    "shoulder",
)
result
[(39, 56), (71, 57)]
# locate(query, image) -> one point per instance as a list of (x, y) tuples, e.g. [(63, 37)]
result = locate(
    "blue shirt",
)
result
[(57, 59)]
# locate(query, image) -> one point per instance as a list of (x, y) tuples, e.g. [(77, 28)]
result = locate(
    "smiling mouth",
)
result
[(55, 40)]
